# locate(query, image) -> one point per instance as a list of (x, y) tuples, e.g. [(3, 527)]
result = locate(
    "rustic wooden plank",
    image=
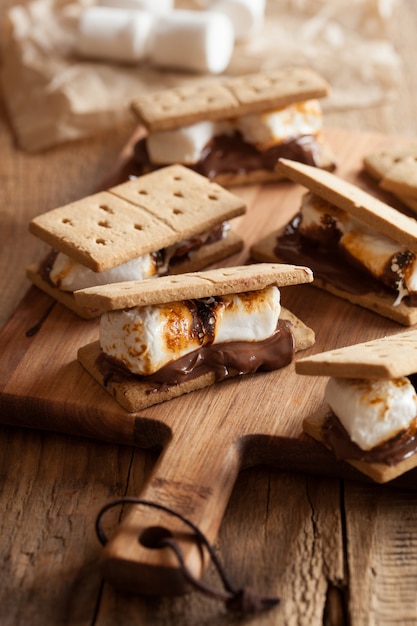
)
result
[(26, 593), (382, 555)]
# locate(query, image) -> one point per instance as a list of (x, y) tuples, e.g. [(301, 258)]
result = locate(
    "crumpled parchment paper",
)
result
[(53, 96)]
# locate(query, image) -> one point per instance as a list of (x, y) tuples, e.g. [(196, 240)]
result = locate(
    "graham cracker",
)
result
[(214, 282), (350, 198), (197, 259), (381, 303), (140, 216), (387, 357), (137, 395), (401, 179), (379, 162), (379, 472), (232, 97)]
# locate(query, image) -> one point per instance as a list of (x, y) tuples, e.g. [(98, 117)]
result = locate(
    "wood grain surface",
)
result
[(335, 551)]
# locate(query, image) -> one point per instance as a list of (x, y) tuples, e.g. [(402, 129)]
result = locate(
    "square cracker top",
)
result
[(253, 93), (388, 357), (192, 285), (137, 217), (373, 212)]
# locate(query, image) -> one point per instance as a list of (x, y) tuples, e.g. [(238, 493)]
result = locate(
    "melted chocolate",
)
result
[(390, 452), (224, 359), (329, 262), (230, 153)]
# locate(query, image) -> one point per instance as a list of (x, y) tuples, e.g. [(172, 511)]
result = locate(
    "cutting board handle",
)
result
[(195, 481)]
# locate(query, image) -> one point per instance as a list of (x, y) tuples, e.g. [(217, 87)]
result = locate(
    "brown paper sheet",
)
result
[(53, 96)]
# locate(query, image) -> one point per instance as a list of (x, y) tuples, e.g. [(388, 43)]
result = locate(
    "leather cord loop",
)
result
[(244, 601)]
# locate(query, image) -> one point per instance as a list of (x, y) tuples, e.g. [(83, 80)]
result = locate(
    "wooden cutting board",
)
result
[(206, 437)]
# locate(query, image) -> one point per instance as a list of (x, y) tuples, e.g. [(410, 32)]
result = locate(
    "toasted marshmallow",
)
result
[(372, 411), (274, 127), (385, 259), (146, 338), (319, 215)]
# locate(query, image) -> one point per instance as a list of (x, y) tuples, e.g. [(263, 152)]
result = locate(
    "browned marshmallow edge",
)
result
[(193, 285), (137, 217), (233, 97), (134, 395), (264, 250), (353, 200), (387, 357)]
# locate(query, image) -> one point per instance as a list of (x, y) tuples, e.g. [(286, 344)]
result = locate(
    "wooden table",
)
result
[(336, 552)]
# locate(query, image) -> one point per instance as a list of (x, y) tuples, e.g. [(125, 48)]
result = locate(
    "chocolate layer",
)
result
[(390, 452), (224, 359), (231, 154), (329, 262)]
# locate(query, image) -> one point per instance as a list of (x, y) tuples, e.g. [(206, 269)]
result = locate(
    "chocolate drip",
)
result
[(230, 153), (223, 359), (390, 452)]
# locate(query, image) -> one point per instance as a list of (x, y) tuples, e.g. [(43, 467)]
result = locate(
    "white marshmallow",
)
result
[(182, 145), (198, 41), (146, 338), (273, 127), (69, 275), (153, 6), (372, 411), (114, 34), (247, 16)]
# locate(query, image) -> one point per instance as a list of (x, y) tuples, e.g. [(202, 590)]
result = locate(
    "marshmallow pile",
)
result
[(135, 31)]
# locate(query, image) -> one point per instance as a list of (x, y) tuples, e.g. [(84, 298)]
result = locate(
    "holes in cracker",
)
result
[(104, 224), (138, 226), (177, 211), (143, 192), (100, 241), (178, 194), (177, 177), (212, 196), (106, 208), (66, 220)]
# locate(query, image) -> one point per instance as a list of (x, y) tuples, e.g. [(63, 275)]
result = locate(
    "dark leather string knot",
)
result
[(243, 601)]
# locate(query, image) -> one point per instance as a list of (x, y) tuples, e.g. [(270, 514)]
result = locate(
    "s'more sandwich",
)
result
[(165, 222), (233, 131), (161, 339), (370, 413), (358, 247)]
